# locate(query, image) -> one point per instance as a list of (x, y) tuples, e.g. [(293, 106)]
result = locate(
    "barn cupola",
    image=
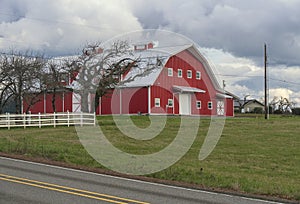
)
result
[(143, 46)]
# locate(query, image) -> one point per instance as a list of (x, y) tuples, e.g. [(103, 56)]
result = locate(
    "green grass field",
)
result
[(254, 155)]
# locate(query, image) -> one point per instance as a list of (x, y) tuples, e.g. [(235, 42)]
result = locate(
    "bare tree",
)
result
[(56, 78), (21, 77), (5, 85), (101, 70), (281, 105)]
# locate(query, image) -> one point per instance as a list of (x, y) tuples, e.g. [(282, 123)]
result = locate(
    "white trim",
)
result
[(149, 99), (187, 74), (170, 72), (178, 73), (170, 99), (210, 108), (173, 105), (220, 95), (198, 73), (45, 102), (158, 101), (197, 104), (188, 89)]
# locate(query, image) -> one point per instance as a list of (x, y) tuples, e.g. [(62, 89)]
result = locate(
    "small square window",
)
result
[(210, 105), (179, 72), (170, 102), (198, 75), (189, 74), (170, 71), (198, 104), (157, 102)]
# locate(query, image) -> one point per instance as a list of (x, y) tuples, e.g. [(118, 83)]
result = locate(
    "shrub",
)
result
[(296, 111), (257, 110)]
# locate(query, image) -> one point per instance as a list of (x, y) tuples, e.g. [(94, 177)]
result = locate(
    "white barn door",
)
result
[(184, 104), (76, 106), (220, 108)]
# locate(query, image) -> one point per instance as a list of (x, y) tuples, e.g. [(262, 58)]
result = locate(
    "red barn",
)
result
[(183, 83)]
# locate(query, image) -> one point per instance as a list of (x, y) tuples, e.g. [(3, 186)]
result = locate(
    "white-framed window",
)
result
[(170, 71), (189, 74), (157, 102), (198, 104), (198, 75), (170, 102), (210, 105), (179, 73)]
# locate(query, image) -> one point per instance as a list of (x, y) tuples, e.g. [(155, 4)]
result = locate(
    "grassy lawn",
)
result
[(254, 155)]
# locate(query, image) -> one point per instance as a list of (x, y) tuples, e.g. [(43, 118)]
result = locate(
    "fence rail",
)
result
[(49, 119)]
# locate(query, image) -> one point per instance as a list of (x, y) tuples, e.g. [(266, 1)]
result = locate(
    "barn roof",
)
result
[(157, 56), (165, 53)]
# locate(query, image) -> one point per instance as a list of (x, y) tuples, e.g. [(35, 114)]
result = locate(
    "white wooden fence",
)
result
[(40, 120)]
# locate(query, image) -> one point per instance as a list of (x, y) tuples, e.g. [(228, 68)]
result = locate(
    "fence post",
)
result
[(24, 120), (54, 120), (68, 118), (29, 118), (81, 119), (8, 120), (40, 120), (95, 119)]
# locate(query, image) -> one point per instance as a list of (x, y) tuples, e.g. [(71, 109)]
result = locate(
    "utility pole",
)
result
[(266, 88)]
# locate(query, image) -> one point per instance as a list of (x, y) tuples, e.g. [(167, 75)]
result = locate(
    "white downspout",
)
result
[(149, 99)]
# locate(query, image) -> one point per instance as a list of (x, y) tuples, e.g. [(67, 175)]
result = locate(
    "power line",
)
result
[(235, 75), (285, 81), (52, 21)]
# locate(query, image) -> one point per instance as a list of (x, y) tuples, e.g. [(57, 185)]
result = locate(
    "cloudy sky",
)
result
[(231, 33)]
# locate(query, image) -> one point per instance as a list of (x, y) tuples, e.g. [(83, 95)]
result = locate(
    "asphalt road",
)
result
[(24, 182)]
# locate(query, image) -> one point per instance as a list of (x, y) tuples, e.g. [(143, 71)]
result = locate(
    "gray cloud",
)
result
[(240, 27), (62, 27)]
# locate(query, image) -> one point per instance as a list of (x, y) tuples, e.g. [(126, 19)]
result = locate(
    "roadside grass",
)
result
[(253, 155)]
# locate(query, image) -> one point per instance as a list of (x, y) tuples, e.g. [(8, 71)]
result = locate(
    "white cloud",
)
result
[(63, 26), (280, 92)]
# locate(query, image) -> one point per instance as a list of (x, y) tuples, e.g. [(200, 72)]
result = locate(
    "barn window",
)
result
[(157, 102), (189, 74), (198, 104), (170, 102), (179, 72), (170, 71), (210, 105), (198, 75)]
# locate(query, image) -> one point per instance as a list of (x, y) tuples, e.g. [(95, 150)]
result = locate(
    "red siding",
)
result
[(134, 100), (229, 107), (163, 85), (68, 102), (37, 107), (63, 100)]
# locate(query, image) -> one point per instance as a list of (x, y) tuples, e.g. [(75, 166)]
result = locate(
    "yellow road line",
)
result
[(55, 187)]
